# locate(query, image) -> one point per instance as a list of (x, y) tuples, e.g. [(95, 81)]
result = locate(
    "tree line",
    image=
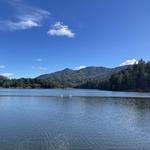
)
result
[(26, 83), (134, 78)]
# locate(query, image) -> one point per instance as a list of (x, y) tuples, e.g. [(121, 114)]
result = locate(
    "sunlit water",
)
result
[(85, 120)]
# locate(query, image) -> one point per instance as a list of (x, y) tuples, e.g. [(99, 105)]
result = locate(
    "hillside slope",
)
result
[(72, 78)]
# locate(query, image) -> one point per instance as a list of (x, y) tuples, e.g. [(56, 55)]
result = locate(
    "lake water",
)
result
[(74, 120)]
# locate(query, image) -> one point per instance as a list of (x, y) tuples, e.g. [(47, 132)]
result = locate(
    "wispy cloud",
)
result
[(129, 62), (39, 68), (59, 29), (80, 67), (8, 75), (27, 17), (38, 60), (2, 66)]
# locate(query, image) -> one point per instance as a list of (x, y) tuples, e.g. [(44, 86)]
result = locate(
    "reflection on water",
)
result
[(69, 93), (77, 123)]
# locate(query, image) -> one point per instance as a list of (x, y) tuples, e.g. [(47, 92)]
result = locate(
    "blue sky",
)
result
[(39, 36)]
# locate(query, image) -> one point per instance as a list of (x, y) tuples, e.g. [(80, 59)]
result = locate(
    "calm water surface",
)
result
[(78, 120)]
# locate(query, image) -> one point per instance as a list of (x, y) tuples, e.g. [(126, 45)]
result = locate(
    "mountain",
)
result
[(127, 78), (62, 79), (72, 78)]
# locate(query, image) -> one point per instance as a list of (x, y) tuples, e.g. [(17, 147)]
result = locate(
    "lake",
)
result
[(71, 119)]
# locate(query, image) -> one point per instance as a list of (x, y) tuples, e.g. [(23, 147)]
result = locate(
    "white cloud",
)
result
[(2, 66), (21, 25), (59, 29), (39, 60), (27, 17), (80, 67), (129, 62), (9, 75)]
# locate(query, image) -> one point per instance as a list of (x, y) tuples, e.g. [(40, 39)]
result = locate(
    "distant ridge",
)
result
[(73, 78), (125, 78), (67, 78)]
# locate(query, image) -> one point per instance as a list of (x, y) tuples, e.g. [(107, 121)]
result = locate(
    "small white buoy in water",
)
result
[(61, 96)]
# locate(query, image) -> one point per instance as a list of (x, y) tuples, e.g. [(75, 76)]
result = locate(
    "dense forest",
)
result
[(133, 78), (26, 83), (130, 78)]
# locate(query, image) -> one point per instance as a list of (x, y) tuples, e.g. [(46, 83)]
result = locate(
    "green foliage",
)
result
[(127, 78), (26, 83), (133, 78)]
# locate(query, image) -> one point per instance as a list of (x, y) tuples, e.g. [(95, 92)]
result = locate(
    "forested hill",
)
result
[(133, 78), (62, 79), (127, 78), (73, 78)]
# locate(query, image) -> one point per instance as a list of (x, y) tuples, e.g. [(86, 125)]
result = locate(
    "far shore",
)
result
[(67, 88)]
